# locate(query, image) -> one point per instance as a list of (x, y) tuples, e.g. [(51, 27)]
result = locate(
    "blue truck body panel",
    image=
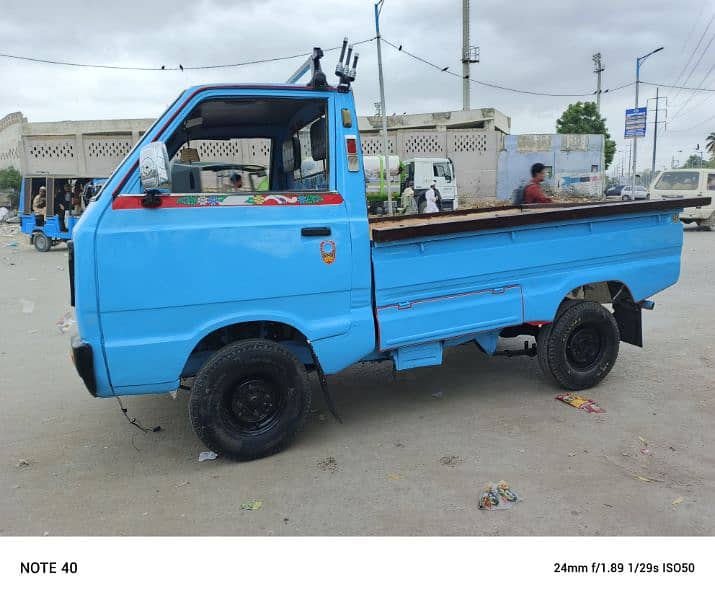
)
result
[(151, 284)]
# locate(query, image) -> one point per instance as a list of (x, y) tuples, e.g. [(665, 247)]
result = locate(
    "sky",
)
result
[(544, 46)]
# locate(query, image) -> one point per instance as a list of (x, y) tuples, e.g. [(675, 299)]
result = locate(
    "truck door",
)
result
[(216, 252)]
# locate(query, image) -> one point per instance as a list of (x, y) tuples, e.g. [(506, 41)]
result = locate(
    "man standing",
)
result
[(63, 201), (532, 191), (431, 199), (409, 206)]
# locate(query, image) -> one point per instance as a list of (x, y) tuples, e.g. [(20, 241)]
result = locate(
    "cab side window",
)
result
[(247, 145)]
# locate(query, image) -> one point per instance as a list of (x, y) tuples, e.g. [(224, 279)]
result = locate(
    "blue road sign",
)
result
[(635, 122)]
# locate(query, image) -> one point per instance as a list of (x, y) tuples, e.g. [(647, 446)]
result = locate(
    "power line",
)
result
[(493, 85), (678, 87), (165, 68), (692, 54)]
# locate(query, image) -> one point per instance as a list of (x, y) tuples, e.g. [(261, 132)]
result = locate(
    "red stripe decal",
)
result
[(125, 202)]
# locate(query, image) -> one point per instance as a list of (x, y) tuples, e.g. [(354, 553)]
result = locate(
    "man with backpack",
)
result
[(531, 193)]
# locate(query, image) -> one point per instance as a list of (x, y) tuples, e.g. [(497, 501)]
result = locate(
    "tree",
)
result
[(10, 179), (710, 146), (583, 117), (694, 161)]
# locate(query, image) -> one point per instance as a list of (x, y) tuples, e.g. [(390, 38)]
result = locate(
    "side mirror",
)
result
[(154, 167)]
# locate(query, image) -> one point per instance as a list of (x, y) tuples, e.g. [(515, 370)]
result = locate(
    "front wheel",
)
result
[(249, 399), (579, 349), (626, 198), (42, 242)]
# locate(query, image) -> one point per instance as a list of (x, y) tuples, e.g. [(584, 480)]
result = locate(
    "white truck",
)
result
[(421, 171), (688, 183)]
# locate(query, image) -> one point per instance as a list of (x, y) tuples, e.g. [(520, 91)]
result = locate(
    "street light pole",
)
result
[(378, 10), (639, 61)]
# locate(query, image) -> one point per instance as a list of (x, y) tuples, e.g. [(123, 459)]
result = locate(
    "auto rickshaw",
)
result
[(48, 231)]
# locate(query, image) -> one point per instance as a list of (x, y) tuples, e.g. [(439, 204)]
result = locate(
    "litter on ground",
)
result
[(497, 497), (252, 505), (677, 501), (208, 455), (328, 464), (65, 322), (580, 402), (450, 461)]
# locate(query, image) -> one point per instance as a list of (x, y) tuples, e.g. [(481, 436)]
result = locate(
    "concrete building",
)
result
[(94, 148), (69, 148), (575, 163), (486, 119)]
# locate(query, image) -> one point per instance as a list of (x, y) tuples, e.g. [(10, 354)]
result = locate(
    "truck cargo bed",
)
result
[(387, 229)]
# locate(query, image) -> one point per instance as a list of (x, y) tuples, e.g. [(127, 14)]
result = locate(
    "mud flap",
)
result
[(324, 385), (630, 322)]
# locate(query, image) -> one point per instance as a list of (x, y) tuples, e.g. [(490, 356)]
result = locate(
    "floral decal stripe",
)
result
[(209, 200)]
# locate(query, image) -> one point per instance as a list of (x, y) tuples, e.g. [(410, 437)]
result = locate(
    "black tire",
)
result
[(580, 348), (42, 242), (626, 198), (250, 399), (647, 196)]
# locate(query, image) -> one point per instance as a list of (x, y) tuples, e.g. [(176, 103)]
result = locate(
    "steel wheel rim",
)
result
[(253, 404), (584, 346)]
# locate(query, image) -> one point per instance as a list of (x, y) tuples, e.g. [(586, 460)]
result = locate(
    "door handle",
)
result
[(315, 231)]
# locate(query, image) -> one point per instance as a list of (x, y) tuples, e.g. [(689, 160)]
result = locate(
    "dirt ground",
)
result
[(413, 453)]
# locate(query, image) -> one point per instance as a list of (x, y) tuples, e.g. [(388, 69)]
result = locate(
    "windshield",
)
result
[(678, 180)]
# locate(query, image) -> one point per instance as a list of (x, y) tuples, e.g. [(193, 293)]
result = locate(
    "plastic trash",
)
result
[(208, 455), (28, 306), (497, 497), (65, 322), (580, 402), (11, 245), (252, 505)]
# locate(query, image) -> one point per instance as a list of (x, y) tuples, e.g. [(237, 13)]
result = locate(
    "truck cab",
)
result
[(423, 171), (183, 275)]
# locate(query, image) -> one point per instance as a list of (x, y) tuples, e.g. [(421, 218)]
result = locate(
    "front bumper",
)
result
[(84, 363), (696, 213)]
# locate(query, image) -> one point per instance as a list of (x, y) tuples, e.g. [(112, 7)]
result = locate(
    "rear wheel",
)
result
[(42, 242), (249, 399), (579, 349)]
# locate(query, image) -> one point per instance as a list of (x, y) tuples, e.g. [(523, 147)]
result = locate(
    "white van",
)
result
[(688, 183)]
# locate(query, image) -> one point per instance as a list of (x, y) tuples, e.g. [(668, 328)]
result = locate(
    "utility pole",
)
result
[(599, 68), (378, 10), (639, 61), (655, 133), (470, 54)]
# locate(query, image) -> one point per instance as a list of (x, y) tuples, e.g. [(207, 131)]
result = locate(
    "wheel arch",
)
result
[(214, 336)]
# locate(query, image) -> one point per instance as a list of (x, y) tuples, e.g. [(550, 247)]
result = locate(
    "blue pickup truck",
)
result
[(183, 274)]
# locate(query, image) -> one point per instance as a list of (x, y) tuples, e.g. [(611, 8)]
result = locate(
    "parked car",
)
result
[(614, 191), (641, 193), (682, 183)]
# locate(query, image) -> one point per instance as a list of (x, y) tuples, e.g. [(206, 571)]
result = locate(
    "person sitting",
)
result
[(39, 206), (532, 191), (237, 182)]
